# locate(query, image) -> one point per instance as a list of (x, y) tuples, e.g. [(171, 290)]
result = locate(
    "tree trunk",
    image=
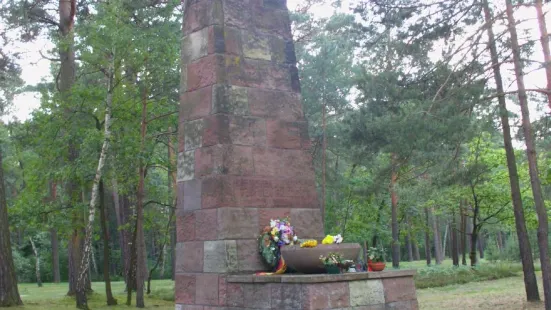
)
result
[(9, 293), (85, 262), (427, 236), (481, 246), (463, 235), (394, 206), (453, 240), (436, 239), (174, 186), (544, 40), (323, 159), (140, 238), (55, 255), (119, 216), (532, 161), (499, 242), (445, 241), (474, 239), (36, 264), (416, 251), (408, 241), (111, 301)]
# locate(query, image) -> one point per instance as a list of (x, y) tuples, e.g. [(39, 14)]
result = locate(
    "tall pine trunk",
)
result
[(436, 239), (140, 238), (417, 255), (427, 236), (453, 240), (81, 300), (463, 234), (9, 293), (55, 255), (544, 40), (394, 207), (104, 218), (543, 229), (409, 241)]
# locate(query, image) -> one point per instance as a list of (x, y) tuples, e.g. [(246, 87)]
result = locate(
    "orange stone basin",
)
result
[(307, 260)]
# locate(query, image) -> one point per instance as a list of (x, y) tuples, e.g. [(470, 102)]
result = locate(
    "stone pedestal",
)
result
[(243, 144), (359, 291)]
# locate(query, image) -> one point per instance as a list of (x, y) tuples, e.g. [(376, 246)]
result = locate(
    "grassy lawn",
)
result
[(500, 294), (52, 296)]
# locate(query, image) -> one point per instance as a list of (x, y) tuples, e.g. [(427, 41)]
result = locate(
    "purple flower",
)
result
[(280, 243)]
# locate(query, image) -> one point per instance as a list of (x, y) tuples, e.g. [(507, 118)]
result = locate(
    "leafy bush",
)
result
[(442, 276)]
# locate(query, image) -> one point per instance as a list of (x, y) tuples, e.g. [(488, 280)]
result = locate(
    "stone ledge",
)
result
[(320, 278)]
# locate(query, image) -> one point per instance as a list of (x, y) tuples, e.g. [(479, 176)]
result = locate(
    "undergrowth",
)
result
[(438, 276)]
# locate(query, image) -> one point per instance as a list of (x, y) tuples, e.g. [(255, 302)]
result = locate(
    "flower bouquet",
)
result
[(277, 234)]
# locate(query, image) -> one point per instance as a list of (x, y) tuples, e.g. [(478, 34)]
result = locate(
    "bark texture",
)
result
[(9, 294)]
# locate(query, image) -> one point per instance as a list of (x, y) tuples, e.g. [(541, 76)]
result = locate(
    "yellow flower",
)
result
[(275, 231), (309, 244), (328, 240)]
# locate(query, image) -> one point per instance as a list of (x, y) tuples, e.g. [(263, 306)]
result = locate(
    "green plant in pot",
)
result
[(377, 258), (332, 262)]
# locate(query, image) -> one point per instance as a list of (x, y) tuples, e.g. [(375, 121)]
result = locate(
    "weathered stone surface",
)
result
[(295, 194), (191, 198), (185, 289), (205, 71), (256, 45), (326, 296), (190, 256), (220, 256), (287, 135), (189, 307), (256, 73), (195, 45), (235, 296), (206, 292), (321, 278), (237, 223), (206, 224), (229, 191), (399, 289), (185, 227), (403, 305), (224, 159), (286, 296), (201, 14), (276, 22), (307, 223), (222, 290), (230, 100), (285, 106), (193, 134), (216, 40), (246, 260), (233, 42), (225, 129), (257, 296), (195, 104), (367, 292), (186, 166), (283, 163)]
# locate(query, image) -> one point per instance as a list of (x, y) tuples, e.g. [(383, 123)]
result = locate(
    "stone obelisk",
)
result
[(243, 144)]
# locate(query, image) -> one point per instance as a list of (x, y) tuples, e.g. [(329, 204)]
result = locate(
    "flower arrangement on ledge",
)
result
[(332, 239), (280, 232), (335, 263)]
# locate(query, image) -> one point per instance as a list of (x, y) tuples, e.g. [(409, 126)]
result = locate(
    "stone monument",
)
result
[(243, 159)]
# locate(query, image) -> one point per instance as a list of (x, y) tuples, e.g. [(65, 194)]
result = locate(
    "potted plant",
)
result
[(332, 262), (376, 259)]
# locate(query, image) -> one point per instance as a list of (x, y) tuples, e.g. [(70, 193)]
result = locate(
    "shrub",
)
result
[(442, 276)]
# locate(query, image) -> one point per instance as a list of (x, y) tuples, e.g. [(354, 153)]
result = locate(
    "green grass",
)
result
[(53, 296), (507, 293)]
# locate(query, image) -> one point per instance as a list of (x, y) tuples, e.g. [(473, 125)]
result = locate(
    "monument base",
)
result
[(358, 291)]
